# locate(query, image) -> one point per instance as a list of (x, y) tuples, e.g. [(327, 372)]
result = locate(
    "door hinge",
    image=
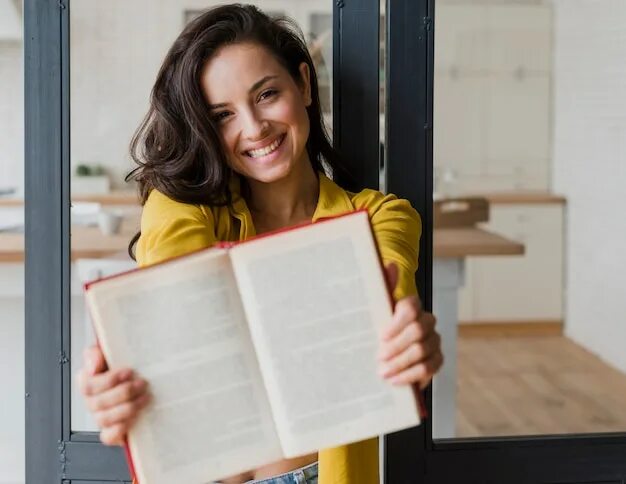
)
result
[(63, 359), (62, 456), (427, 23), (61, 5), (340, 3)]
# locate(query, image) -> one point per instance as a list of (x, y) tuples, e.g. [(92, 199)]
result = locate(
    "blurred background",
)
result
[(529, 158)]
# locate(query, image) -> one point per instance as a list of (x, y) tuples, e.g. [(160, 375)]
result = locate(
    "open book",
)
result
[(255, 352)]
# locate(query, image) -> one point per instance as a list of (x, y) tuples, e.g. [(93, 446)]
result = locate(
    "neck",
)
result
[(285, 202)]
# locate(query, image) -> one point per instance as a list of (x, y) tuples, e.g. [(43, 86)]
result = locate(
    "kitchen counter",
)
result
[(116, 197), (523, 198), (89, 242), (470, 241)]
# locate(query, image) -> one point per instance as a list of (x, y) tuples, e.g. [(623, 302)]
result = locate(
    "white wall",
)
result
[(11, 115), (117, 47), (590, 169), (11, 373)]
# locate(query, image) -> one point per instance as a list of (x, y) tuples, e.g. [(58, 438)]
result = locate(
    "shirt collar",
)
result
[(332, 201)]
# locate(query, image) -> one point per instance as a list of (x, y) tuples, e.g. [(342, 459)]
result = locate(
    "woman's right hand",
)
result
[(114, 397)]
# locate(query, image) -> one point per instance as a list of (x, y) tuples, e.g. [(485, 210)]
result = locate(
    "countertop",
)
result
[(89, 242), (522, 198), (116, 197), (462, 242)]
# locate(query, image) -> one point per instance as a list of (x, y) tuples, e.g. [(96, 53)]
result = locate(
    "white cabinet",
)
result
[(521, 288), (492, 97), (517, 128), (459, 144)]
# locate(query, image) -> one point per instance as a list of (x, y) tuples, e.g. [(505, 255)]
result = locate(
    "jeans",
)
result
[(303, 475)]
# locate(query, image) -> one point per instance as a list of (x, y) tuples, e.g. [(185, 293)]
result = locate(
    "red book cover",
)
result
[(129, 459)]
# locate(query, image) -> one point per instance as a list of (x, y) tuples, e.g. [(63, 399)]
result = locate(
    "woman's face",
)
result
[(259, 110)]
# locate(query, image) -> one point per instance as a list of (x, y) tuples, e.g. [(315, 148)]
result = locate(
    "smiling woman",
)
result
[(261, 114), (234, 145)]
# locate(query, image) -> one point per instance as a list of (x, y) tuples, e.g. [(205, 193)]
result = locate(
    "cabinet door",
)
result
[(517, 128), (519, 36), (461, 41), (529, 287), (467, 311), (458, 122)]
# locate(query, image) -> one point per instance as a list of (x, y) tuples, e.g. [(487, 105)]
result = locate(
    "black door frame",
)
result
[(55, 454)]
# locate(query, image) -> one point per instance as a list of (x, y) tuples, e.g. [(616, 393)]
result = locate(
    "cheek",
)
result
[(229, 138), (295, 115)]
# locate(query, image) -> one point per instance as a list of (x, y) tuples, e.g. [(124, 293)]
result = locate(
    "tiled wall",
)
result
[(590, 168)]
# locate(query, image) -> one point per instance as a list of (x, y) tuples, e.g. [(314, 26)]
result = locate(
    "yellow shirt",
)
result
[(170, 228)]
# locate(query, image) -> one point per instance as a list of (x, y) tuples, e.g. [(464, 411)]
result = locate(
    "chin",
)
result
[(265, 173), (270, 174)]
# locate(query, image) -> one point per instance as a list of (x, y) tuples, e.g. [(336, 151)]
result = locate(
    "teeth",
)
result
[(265, 151)]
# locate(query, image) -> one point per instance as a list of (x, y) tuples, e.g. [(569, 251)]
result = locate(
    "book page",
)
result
[(316, 300), (182, 327)]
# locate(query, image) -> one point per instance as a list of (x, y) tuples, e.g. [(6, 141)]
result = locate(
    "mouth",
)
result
[(267, 150)]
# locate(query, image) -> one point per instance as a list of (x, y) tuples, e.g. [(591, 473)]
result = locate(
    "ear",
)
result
[(305, 83)]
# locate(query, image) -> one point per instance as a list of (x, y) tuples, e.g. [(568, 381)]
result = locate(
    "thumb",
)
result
[(94, 360), (391, 273)]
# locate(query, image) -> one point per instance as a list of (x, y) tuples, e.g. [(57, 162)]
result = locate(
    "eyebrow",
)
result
[(254, 87)]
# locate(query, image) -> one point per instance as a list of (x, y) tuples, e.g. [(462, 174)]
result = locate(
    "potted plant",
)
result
[(90, 179)]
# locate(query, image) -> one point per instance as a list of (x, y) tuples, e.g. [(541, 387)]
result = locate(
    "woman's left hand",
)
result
[(410, 347)]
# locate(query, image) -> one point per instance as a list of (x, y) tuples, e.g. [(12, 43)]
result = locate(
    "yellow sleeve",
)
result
[(397, 229), (170, 229)]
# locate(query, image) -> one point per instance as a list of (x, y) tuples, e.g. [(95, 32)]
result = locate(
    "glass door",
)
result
[(528, 158)]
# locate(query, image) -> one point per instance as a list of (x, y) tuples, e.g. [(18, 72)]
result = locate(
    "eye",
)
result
[(267, 94), (219, 117)]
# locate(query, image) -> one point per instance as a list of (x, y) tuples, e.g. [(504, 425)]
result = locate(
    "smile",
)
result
[(269, 149)]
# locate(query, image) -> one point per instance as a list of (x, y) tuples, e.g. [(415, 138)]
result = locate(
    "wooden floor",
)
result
[(535, 385)]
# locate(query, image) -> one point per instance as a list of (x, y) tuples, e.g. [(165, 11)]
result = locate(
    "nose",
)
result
[(254, 127)]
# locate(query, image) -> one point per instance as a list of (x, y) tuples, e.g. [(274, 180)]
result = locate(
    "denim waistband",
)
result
[(303, 475)]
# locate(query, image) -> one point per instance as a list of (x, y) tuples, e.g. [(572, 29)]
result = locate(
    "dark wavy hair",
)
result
[(177, 146)]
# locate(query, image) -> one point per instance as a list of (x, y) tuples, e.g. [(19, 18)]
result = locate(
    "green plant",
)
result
[(89, 170)]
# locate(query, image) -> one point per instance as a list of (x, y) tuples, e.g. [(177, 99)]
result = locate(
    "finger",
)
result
[(94, 360), (407, 358), (414, 353), (95, 384), (399, 343), (119, 414), (422, 372), (406, 311), (415, 331), (119, 394), (114, 435), (391, 274)]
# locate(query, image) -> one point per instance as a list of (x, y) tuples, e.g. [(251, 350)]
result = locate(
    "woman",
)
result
[(233, 146)]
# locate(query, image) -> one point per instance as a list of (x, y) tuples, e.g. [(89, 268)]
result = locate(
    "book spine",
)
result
[(129, 460)]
